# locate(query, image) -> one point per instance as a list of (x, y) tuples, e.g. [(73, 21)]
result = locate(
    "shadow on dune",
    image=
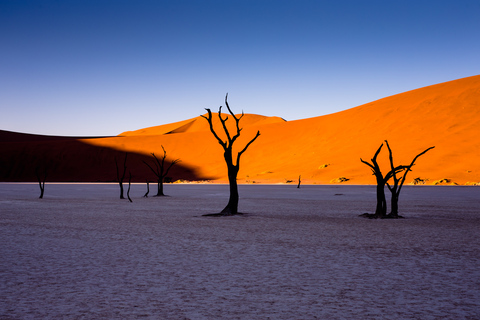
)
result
[(68, 159)]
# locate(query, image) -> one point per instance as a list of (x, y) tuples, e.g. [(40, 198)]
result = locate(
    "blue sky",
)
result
[(92, 68)]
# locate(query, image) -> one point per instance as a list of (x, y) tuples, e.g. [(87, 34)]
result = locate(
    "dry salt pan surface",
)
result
[(81, 253)]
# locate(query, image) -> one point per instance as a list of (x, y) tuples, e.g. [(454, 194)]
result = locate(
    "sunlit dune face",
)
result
[(328, 149)]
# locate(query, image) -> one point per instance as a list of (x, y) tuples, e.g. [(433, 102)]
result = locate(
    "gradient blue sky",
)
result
[(103, 67)]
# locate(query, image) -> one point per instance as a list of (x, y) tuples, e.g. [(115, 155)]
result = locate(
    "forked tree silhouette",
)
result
[(160, 171), (233, 165), (381, 207), (41, 180)]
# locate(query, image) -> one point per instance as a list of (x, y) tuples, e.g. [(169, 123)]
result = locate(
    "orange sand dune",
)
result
[(200, 124), (323, 149)]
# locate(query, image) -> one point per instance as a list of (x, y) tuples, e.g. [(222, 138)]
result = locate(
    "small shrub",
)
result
[(472, 184), (444, 181), (418, 181)]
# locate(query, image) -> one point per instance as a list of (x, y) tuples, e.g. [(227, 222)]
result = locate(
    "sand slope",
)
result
[(323, 149)]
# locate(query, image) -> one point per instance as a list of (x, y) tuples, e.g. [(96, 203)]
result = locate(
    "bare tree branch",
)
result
[(209, 119), (246, 147), (224, 124), (407, 168)]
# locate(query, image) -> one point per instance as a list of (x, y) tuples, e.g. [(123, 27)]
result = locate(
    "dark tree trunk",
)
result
[(394, 205), (160, 189), (299, 181), (381, 209), (148, 190), (128, 191), (120, 183), (42, 189), (232, 205), (121, 176), (41, 182)]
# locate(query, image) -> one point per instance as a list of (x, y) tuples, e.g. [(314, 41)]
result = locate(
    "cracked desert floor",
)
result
[(82, 253)]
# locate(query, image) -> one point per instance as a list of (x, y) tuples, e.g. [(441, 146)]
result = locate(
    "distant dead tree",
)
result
[(148, 189), (160, 171), (129, 183), (299, 181), (397, 181), (41, 180), (227, 145), (381, 208), (121, 176)]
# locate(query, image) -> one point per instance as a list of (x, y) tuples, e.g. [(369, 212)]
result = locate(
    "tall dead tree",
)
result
[(381, 208), (399, 181), (233, 165), (41, 180), (160, 171), (121, 176)]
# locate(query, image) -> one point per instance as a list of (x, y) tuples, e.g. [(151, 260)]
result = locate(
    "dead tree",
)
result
[(299, 181), (129, 183), (381, 208), (160, 171), (41, 180), (233, 166), (121, 177), (148, 190), (398, 182)]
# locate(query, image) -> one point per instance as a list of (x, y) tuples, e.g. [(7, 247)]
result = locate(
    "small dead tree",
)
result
[(399, 181), (129, 183), (121, 176), (160, 171), (233, 165), (41, 180), (381, 208), (299, 181), (148, 189)]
